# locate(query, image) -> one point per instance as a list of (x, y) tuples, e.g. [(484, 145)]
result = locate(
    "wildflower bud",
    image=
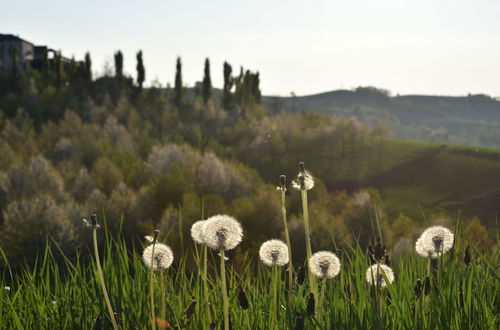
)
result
[(190, 310), (467, 257), (427, 285), (387, 260), (311, 304), (155, 236), (299, 322), (302, 167), (242, 298), (371, 255), (302, 181), (417, 290), (379, 250), (93, 219), (213, 326), (282, 181), (7, 289), (301, 275)]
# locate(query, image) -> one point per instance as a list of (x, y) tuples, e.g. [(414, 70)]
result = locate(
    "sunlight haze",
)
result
[(407, 47)]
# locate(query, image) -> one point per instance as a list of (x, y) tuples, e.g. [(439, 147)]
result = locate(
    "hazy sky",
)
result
[(446, 47)]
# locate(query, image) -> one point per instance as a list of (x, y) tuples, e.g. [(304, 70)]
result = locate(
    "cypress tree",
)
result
[(141, 74), (256, 89), (119, 64), (207, 82), (178, 83), (228, 84), (88, 67)]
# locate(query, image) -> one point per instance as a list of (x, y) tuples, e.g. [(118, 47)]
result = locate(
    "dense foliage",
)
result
[(153, 158)]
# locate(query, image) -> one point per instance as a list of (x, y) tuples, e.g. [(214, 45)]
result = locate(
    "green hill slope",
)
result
[(415, 176), (470, 120)]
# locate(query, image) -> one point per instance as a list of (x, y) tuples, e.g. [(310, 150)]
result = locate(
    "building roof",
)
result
[(9, 37)]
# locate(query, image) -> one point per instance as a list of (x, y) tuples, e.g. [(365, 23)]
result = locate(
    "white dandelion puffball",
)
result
[(308, 181), (374, 275), (197, 231), (324, 264), (434, 241), (273, 253), (163, 256), (222, 232)]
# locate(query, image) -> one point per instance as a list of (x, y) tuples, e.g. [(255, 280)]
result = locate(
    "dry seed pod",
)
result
[(467, 257), (242, 298), (190, 310), (299, 322), (417, 290), (311, 304)]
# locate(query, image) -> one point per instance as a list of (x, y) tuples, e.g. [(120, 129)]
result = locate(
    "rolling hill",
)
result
[(470, 120)]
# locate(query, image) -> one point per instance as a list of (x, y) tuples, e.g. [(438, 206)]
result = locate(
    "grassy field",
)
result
[(67, 295), (415, 177)]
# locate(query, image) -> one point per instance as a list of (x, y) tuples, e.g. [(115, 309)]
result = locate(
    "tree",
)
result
[(141, 72), (88, 67), (119, 64), (477, 235), (256, 89), (178, 83), (228, 85), (207, 82)]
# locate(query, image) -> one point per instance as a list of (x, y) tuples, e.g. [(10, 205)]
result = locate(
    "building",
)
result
[(29, 55)]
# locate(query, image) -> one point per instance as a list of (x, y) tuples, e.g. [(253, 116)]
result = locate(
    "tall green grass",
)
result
[(67, 295)]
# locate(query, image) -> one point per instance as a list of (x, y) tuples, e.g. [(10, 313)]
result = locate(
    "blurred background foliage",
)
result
[(157, 157)]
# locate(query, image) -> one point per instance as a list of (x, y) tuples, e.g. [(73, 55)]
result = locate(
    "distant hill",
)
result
[(420, 178), (469, 120)]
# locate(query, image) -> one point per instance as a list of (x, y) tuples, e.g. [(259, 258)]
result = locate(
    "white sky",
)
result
[(445, 47)]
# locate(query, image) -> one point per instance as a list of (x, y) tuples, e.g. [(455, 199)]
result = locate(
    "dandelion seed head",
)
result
[(273, 253), (307, 178), (163, 256), (434, 241), (374, 275), (324, 264), (222, 232), (197, 231)]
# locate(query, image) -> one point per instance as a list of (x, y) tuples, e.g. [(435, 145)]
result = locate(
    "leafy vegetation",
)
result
[(472, 120)]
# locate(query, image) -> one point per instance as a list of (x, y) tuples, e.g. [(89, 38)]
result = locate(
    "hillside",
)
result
[(470, 120), (430, 178)]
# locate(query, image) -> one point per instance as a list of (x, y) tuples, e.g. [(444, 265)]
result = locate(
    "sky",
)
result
[(438, 47)]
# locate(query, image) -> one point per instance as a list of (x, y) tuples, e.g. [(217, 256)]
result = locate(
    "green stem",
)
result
[(151, 290), (273, 323), (163, 312), (224, 290), (100, 276), (321, 297), (205, 285), (289, 245), (312, 281)]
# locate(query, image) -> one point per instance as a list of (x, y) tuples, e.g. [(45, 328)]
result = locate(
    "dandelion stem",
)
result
[(274, 309), (151, 291), (100, 275), (288, 243), (224, 290), (205, 285), (163, 311), (321, 297), (312, 281)]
